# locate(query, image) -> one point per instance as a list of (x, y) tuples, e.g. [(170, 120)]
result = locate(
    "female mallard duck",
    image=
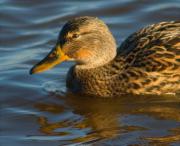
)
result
[(148, 61)]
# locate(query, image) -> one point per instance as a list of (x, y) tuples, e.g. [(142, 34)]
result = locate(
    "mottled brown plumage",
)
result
[(147, 62)]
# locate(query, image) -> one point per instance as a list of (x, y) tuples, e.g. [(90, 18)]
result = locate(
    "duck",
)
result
[(147, 62)]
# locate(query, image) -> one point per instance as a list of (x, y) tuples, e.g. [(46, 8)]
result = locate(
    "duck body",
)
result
[(147, 62)]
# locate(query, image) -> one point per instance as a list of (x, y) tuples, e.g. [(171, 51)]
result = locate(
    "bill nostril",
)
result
[(53, 54)]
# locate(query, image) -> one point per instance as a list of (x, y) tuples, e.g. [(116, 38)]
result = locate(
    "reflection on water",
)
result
[(101, 119), (36, 110)]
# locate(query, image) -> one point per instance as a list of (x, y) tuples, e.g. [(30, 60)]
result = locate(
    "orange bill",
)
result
[(56, 56)]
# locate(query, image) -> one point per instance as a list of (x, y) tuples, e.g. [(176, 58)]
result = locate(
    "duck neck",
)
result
[(99, 61)]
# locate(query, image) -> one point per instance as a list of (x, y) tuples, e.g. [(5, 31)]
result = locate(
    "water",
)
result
[(35, 109)]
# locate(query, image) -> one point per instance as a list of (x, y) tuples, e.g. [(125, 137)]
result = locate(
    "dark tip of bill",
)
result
[(31, 71)]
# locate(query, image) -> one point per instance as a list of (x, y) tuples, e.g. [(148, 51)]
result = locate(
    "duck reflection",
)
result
[(90, 119)]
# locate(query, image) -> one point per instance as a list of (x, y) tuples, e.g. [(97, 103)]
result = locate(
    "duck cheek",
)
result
[(83, 54)]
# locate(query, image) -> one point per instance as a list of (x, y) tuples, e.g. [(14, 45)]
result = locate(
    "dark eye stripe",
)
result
[(66, 39), (77, 35)]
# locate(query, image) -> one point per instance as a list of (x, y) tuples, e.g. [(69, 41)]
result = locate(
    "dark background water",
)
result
[(35, 109)]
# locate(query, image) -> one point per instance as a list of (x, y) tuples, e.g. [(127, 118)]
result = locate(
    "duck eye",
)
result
[(75, 36)]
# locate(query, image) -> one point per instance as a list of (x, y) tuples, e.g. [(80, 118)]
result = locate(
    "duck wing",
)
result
[(155, 48)]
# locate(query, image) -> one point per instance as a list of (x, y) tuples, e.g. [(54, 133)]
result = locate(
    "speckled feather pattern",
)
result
[(148, 62)]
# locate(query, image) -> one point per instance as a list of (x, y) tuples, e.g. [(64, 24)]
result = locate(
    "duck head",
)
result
[(86, 40)]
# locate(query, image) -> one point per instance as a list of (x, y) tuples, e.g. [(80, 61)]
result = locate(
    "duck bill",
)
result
[(56, 56)]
